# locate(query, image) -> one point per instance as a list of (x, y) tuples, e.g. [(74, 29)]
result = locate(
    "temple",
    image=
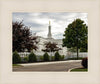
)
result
[(49, 38)]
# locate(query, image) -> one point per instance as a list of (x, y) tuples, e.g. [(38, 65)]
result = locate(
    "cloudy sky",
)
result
[(38, 22)]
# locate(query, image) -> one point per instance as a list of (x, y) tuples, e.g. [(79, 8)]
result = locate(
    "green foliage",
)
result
[(80, 58), (25, 59), (52, 58), (46, 57), (41, 58), (83, 50), (32, 57), (62, 57), (57, 56), (85, 62), (16, 58), (72, 49), (76, 35)]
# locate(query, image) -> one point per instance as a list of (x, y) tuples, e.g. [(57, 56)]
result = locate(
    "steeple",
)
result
[(49, 23), (49, 31)]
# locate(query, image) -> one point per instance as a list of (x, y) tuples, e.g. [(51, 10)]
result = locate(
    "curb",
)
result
[(46, 63), (72, 68)]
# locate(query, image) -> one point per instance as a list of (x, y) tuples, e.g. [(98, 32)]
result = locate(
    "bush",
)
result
[(57, 56), (16, 58), (32, 57), (46, 57), (74, 58), (85, 62), (41, 58), (53, 58), (25, 59), (62, 57)]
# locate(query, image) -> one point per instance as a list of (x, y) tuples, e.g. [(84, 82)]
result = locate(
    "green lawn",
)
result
[(16, 65), (79, 69)]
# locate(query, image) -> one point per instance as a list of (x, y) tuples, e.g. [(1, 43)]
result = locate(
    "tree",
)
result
[(22, 37), (71, 49), (51, 47), (75, 35)]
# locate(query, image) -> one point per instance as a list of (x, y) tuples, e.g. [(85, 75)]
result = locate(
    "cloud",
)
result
[(38, 22)]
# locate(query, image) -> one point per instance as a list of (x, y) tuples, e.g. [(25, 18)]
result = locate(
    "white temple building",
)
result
[(49, 38)]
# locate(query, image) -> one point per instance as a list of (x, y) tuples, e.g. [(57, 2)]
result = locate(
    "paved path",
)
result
[(49, 66)]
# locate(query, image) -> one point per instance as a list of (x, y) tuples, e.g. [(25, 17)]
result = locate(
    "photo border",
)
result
[(7, 7)]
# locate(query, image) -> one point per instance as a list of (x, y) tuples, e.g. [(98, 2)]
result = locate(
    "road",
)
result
[(63, 66)]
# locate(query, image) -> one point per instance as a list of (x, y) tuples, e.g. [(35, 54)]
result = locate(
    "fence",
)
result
[(23, 54), (69, 55), (74, 55)]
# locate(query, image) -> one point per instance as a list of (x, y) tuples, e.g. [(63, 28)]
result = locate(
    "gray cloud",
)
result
[(39, 21)]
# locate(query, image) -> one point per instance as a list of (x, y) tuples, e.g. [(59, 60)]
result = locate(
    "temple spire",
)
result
[(49, 31), (49, 23)]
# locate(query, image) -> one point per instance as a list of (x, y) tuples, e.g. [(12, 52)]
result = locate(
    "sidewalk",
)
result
[(46, 63)]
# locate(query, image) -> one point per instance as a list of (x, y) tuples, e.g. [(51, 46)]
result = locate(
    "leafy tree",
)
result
[(72, 49), (16, 58), (46, 57), (32, 57), (84, 45), (75, 35), (22, 37), (51, 47)]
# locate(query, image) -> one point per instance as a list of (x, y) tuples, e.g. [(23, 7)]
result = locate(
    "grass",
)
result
[(16, 65), (79, 69)]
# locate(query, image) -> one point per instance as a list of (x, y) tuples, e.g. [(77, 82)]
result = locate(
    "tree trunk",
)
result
[(77, 48)]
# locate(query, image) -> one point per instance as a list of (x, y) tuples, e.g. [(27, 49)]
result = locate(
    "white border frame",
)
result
[(89, 6)]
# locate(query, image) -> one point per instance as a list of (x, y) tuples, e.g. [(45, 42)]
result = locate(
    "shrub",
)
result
[(32, 57), (57, 56), (85, 62), (52, 58), (46, 57), (74, 58), (16, 58), (62, 57), (25, 59), (41, 58)]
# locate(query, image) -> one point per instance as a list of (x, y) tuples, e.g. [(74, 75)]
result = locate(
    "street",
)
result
[(63, 66)]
